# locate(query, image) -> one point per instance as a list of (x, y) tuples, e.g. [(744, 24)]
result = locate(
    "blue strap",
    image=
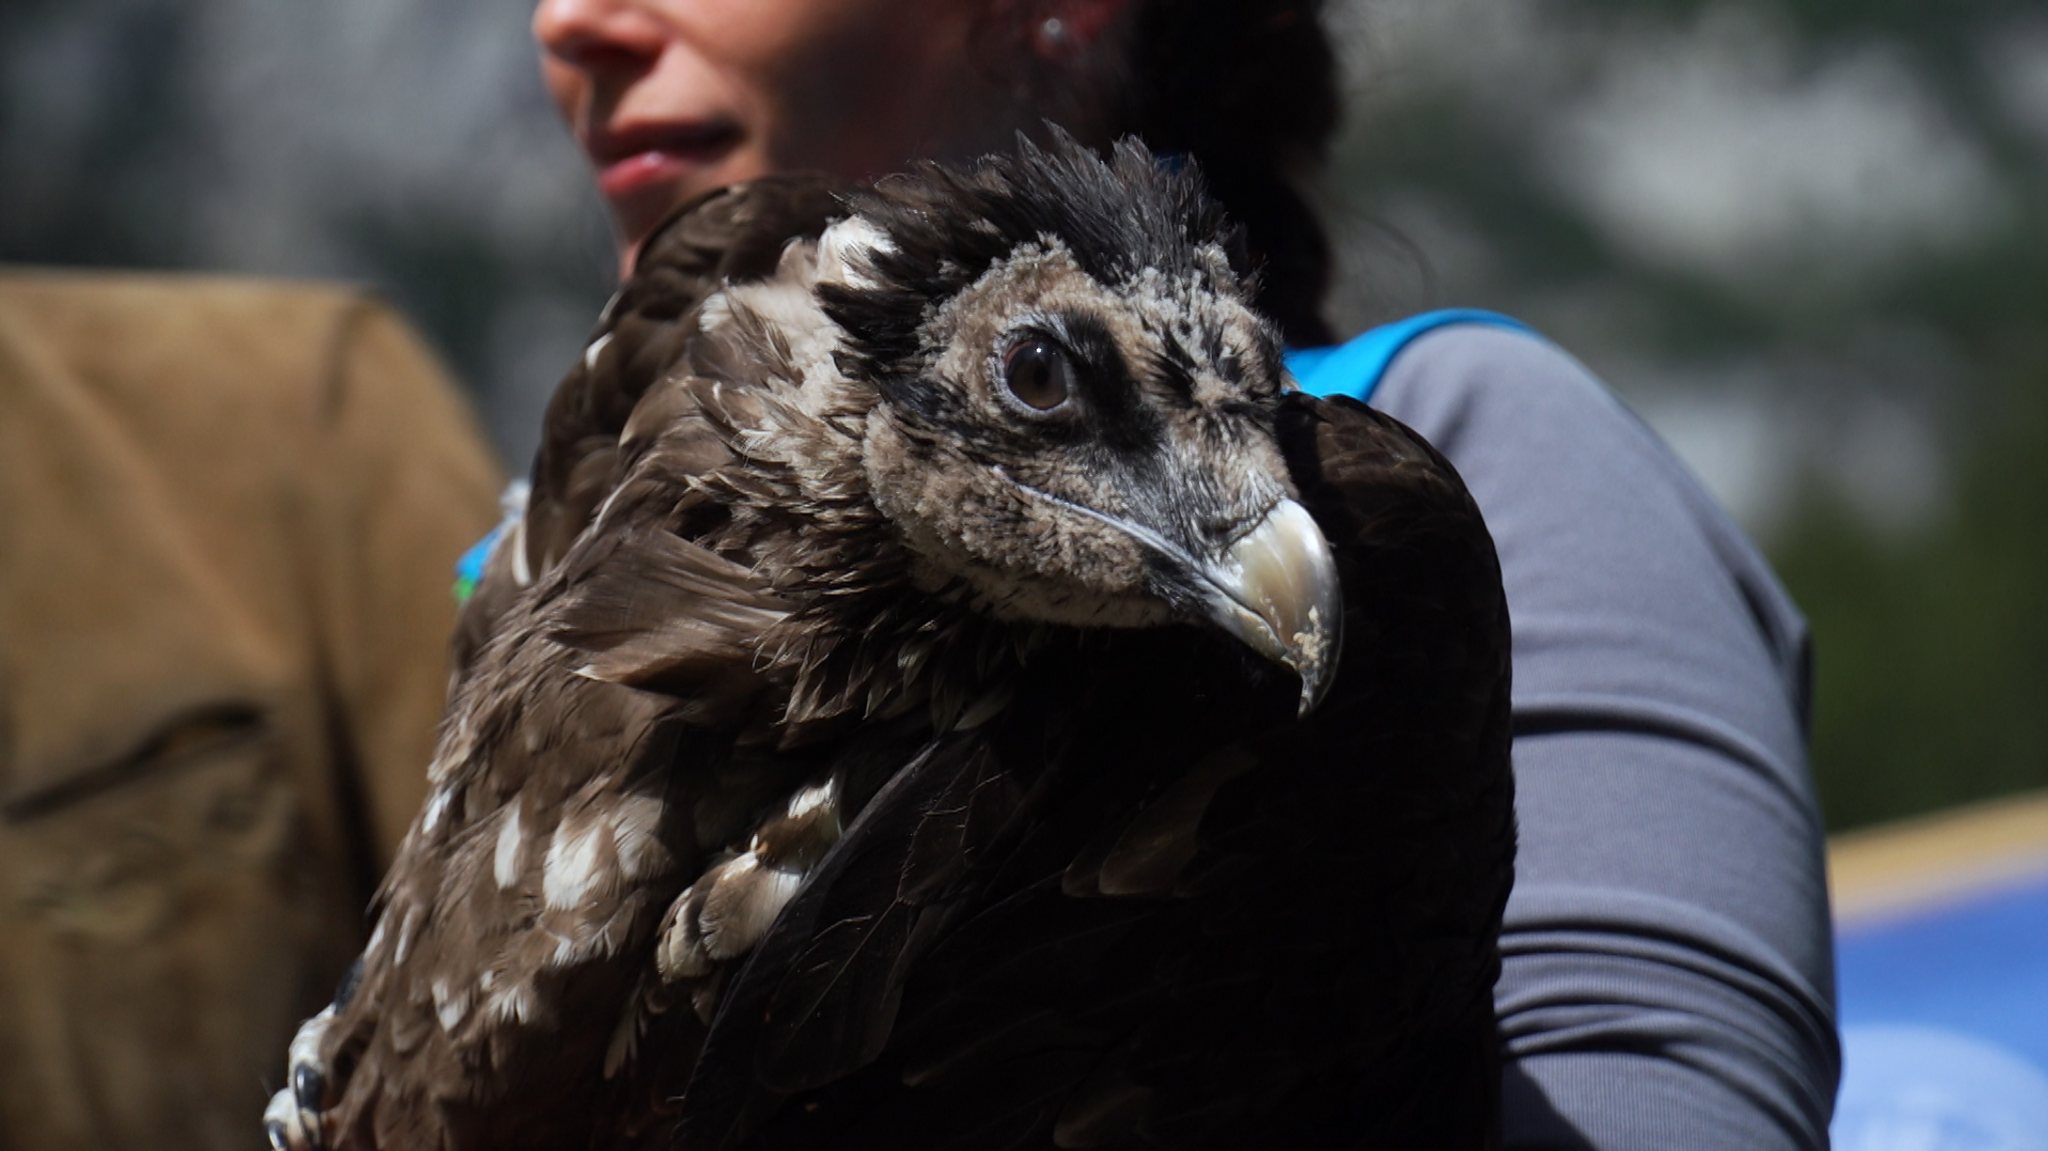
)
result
[(470, 568), (1355, 368)]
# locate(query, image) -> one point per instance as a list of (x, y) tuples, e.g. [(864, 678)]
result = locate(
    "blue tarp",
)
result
[(1944, 1017)]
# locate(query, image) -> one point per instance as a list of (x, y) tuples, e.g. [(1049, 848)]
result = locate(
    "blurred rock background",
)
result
[(1806, 239)]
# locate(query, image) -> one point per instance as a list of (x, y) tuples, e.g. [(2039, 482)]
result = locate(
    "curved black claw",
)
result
[(292, 1120), (308, 1086), (281, 1126)]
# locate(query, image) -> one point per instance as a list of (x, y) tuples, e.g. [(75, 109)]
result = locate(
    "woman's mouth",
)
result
[(634, 163)]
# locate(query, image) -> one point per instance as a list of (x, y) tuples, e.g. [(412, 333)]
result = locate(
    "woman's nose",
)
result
[(598, 35)]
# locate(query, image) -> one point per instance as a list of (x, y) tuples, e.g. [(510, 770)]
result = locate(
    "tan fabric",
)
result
[(228, 511)]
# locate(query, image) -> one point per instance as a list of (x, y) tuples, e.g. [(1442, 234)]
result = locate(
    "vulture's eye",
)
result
[(1038, 373)]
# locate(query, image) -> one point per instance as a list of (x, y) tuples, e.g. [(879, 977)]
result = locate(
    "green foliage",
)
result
[(1932, 684), (1931, 635), (1932, 649)]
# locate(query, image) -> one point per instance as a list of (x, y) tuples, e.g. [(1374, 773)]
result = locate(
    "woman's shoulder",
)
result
[(1521, 417), (1458, 374), (1592, 513), (1660, 695)]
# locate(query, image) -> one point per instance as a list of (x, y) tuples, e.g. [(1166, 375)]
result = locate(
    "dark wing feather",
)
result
[(657, 611), (817, 998)]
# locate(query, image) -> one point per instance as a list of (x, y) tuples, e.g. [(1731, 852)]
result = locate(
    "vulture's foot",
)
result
[(292, 1120)]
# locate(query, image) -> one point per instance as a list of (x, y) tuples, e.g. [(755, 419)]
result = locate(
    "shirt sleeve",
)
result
[(409, 485), (1667, 974)]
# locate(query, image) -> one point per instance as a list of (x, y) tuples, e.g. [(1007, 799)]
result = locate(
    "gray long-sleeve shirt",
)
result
[(1668, 968)]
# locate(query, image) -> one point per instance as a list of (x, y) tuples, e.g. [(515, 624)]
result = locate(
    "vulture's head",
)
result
[(1071, 407)]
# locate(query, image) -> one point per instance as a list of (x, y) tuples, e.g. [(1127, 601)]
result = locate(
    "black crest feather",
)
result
[(1120, 216)]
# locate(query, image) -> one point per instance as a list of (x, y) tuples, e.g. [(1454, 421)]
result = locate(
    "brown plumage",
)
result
[(947, 691)]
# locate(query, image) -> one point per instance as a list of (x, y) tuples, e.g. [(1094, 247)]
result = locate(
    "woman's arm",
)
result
[(405, 483), (1668, 970)]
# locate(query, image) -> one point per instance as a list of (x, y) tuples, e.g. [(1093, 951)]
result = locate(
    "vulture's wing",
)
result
[(515, 924), (1129, 912), (587, 764)]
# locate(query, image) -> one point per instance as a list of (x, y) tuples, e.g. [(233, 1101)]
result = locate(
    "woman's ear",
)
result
[(1063, 27)]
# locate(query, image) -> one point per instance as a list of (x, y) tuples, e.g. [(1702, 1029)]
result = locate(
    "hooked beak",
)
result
[(1276, 589)]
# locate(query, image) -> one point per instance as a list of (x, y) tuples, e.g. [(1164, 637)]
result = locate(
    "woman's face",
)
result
[(670, 98)]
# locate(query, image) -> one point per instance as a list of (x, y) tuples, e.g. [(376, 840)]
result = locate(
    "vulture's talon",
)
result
[(292, 1121), (308, 1084), (285, 1128)]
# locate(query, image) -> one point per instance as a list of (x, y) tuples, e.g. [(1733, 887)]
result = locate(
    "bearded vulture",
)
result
[(950, 690)]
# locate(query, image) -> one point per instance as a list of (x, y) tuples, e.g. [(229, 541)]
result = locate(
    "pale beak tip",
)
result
[(1312, 655), (1280, 593)]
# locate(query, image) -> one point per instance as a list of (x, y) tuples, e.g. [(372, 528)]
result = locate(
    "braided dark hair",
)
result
[(1249, 89)]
